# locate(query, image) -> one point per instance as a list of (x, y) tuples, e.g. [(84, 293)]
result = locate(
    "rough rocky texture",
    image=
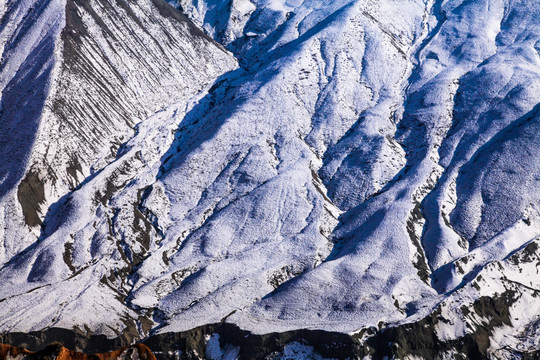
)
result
[(369, 170), (109, 65), (58, 352)]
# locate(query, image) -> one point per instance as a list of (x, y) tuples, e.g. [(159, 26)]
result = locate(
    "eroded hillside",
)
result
[(357, 167)]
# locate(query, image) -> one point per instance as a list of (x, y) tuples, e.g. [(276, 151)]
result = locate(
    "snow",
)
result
[(296, 350), (215, 352), (368, 163)]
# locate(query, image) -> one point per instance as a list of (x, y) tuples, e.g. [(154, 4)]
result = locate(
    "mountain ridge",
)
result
[(368, 166)]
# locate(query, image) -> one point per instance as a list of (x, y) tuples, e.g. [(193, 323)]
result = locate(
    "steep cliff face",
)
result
[(370, 168)]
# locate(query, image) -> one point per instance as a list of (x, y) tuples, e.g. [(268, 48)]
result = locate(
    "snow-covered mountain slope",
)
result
[(77, 76), (370, 168)]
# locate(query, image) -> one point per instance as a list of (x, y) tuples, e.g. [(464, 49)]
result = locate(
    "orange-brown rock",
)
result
[(58, 352)]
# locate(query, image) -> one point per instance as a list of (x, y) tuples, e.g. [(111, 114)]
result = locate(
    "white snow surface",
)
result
[(367, 163)]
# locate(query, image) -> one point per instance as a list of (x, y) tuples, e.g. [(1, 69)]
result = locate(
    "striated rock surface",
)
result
[(77, 76), (362, 171)]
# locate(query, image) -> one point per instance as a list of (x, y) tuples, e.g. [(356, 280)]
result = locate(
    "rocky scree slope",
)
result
[(370, 169)]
